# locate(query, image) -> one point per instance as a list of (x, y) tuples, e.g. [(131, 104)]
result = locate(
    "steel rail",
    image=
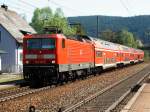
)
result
[(99, 93)]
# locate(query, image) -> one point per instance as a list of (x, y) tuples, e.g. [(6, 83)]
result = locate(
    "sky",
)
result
[(123, 8)]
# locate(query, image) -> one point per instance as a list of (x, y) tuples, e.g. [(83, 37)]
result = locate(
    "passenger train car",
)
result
[(49, 58)]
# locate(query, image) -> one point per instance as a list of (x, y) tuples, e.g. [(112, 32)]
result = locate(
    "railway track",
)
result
[(14, 90), (107, 99), (15, 87), (52, 98), (22, 92)]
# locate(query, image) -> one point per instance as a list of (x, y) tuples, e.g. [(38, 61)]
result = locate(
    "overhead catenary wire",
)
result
[(29, 4), (129, 12), (16, 6), (129, 5), (126, 8), (64, 7)]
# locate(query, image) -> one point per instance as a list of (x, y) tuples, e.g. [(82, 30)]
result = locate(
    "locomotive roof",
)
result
[(84, 38), (105, 44), (113, 46)]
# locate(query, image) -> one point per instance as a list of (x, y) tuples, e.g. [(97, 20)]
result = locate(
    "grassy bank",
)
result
[(9, 77)]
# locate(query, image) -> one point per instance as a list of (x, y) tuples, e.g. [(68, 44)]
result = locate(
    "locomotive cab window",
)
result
[(38, 43), (48, 43), (63, 43)]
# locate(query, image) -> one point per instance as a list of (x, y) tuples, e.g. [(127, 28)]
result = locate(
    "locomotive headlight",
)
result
[(49, 56), (31, 56), (53, 61), (27, 62)]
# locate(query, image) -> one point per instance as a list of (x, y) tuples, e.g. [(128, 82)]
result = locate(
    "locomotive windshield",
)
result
[(39, 43)]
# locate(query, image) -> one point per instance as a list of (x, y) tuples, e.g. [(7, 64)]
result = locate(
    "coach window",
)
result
[(99, 53), (63, 43), (118, 54)]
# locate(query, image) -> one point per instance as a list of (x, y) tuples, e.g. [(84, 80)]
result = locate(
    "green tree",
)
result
[(108, 35), (123, 37), (127, 38), (39, 18), (45, 17)]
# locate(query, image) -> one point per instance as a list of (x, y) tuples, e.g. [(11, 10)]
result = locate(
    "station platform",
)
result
[(141, 100)]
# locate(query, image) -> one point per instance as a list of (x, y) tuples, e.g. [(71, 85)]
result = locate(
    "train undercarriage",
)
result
[(42, 75)]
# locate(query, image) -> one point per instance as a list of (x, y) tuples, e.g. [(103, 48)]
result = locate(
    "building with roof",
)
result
[(11, 38)]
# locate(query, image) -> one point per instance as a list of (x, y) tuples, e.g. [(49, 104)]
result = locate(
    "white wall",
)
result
[(19, 57)]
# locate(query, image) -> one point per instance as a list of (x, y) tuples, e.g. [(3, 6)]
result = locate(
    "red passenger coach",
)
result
[(106, 54), (138, 55), (141, 56), (125, 55)]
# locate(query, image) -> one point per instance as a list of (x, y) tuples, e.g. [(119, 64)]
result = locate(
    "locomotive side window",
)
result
[(46, 43), (99, 53), (63, 43)]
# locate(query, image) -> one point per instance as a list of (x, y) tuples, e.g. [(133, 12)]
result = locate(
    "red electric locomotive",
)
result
[(54, 58), (49, 58)]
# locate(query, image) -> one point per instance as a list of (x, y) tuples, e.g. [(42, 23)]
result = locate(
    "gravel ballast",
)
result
[(64, 96)]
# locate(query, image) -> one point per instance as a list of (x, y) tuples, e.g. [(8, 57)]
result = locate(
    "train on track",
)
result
[(54, 57)]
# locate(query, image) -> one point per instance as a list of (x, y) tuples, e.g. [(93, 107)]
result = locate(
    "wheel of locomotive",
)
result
[(45, 80), (94, 71), (88, 71), (35, 82), (91, 71), (74, 76), (61, 78), (100, 69), (67, 76), (54, 78), (84, 73)]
